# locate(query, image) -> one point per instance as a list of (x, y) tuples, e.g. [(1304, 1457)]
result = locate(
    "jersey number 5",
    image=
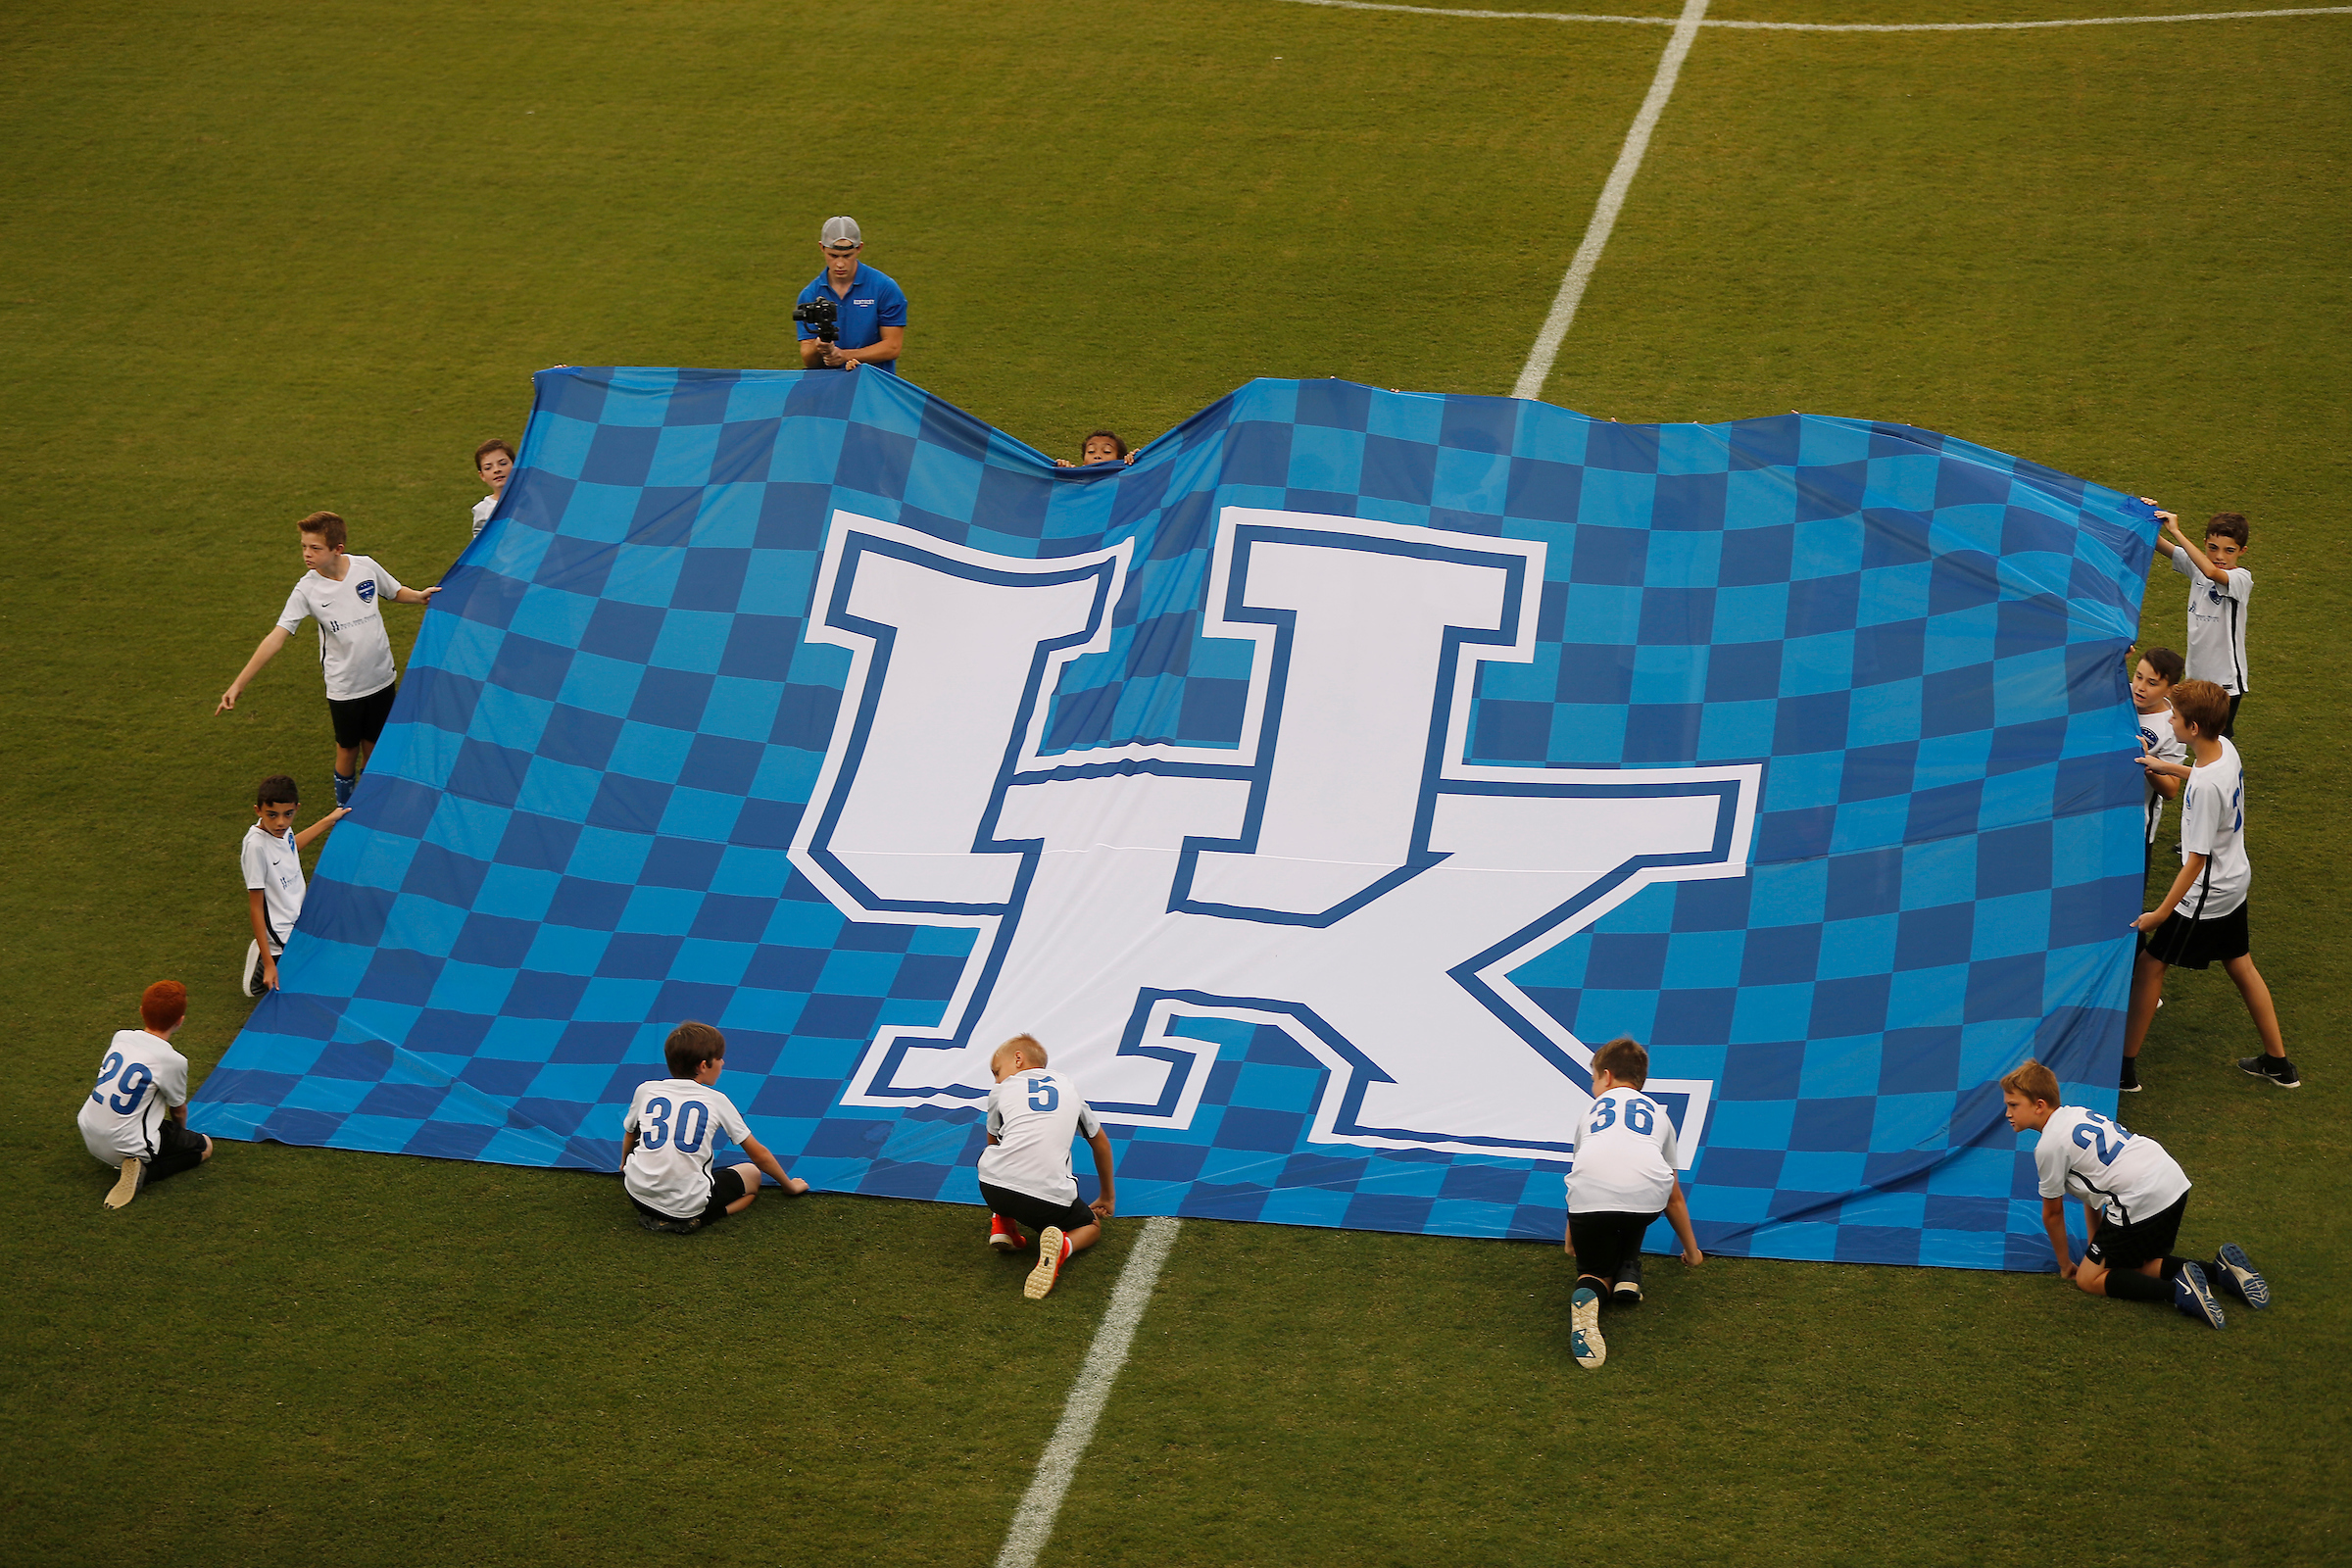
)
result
[(1042, 1096)]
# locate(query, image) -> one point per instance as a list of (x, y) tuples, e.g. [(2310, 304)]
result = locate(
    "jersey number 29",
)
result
[(129, 1092)]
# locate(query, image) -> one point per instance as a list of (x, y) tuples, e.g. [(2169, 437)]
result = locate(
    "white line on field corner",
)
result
[(1827, 27), (1612, 198), (1033, 1521)]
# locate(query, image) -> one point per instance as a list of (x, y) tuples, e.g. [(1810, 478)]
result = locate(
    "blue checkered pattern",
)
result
[(574, 832)]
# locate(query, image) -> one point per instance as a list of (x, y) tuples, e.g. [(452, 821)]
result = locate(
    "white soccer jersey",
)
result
[(353, 651), (2084, 1155), (677, 1121), (1033, 1117), (2156, 730), (140, 1079), (274, 866), (481, 513), (2217, 624), (2213, 823), (1625, 1157)]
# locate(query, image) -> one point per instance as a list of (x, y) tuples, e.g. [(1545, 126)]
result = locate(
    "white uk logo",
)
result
[(1342, 875)]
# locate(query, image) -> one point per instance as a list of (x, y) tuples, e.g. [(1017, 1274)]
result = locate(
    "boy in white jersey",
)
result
[(2202, 918), (2219, 592), (1623, 1179), (667, 1139), (271, 860), (1025, 1170), (2161, 753), (345, 595), (2134, 1194), (494, 460), (135, 1122)]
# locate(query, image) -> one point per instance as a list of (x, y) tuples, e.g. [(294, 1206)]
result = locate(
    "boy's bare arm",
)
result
[(415, 595), (1678, 1214), (2192, 867), (256, 906), (629, 1145), (2196, 552), (1099, 1141), (253, 667), (2053, 1221), (310, 835), (769, 1164)]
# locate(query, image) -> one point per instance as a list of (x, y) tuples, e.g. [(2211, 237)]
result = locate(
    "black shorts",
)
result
[(1606, 1240), (359, 722), (176, 1149), (2141, 1242), (725, 1188), (2230, 724), (2198, 944), (1036, 1213)]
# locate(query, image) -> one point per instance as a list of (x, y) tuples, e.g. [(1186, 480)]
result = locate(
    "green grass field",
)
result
[(263, 259)]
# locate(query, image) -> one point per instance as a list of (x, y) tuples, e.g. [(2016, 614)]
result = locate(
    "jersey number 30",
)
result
[(694, 1121)]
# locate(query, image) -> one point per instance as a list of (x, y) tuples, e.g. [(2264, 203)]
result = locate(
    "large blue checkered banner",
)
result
[(1320, 790)]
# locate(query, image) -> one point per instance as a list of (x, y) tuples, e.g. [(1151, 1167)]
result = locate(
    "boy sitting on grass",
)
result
[(494, 460), (2201, 920), (136, 1120), (345, 595), (667, 1134), (271, 857), (2133, 1193), (1025, 1169), (1622, 1181)]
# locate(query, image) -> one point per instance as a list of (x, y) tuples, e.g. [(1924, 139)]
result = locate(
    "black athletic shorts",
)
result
[(1606, 1240), (2230, 724), (1036, 1213), (2141, 1242), (360, 721), (2199, 944), (176, 1149), (725, 1188)]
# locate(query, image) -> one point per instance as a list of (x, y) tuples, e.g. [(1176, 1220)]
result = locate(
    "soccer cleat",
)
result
[(669, 1227), (2130, 1080), (255, 984), (1002, 1236), (127, 1188), (2277, 1069), (1052, 1250), (1583, 1334), (2193, 1298), (2234, 1274), (1626, 1289)]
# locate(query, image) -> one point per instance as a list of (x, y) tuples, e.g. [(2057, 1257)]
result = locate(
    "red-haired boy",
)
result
[(136, 1120)]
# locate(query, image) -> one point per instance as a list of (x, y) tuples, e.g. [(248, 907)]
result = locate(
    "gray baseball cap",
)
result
[(840, 231)]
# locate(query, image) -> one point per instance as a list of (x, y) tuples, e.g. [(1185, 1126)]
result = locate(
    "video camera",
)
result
[(822, 313)]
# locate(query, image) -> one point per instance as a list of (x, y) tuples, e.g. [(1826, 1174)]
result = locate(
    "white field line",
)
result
[(1033, 1522), (1612, 198), (1827, 26)]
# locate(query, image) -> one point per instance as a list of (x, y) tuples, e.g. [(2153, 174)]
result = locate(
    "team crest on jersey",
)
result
[(1342, 875), (368, 591)]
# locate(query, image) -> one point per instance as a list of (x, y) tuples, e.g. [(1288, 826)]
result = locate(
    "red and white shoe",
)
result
[(1052, 1250), (1002, 1236)]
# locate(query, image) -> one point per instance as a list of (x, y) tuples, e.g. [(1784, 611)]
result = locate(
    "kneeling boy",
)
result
[(1025, 1169), (667, 1138), (1622, 1181), (136, 1120), (2135, 1195)]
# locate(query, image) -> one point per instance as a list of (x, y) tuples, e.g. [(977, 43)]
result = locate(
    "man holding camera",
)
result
[(849, 315)]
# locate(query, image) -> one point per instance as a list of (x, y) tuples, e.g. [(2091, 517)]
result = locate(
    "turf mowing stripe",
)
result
[(1612, 198), (1033, 1522), (1825, 27)]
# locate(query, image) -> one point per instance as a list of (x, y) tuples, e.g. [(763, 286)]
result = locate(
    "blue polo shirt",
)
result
[(874, 302)]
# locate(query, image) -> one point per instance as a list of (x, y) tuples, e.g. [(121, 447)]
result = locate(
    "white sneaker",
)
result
[(1583, 1336), (126, 1187)]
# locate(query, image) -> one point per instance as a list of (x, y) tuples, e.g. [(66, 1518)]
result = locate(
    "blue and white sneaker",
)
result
[(2193, 1298), (1584, 1336), (2234, 1275)]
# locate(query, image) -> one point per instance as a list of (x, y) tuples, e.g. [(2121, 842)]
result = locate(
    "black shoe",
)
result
[(669, 1227), (2277, 1069), (1626, 1289), (2130, 1080)]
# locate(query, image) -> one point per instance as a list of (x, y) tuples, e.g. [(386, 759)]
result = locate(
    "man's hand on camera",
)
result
[(838, 356)]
